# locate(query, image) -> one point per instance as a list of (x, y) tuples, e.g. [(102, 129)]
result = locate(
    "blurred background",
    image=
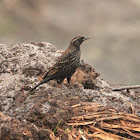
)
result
[(113, 25)]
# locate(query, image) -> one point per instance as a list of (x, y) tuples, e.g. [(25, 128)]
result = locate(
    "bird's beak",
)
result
[(86, 38)]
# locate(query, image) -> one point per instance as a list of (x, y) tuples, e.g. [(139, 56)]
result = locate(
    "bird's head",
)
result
[(77, 41)]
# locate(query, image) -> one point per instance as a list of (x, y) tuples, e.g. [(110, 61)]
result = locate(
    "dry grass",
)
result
[(92, 120)]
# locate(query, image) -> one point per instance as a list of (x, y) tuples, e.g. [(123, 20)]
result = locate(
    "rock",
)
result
[(29, 115)]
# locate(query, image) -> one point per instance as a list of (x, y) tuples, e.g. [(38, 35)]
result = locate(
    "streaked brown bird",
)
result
[(66, 64)]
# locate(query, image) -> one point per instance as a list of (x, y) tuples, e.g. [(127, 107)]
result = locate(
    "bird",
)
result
[(66, 64)]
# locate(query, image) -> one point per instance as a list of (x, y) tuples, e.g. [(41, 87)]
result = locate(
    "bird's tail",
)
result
[(40, 83)]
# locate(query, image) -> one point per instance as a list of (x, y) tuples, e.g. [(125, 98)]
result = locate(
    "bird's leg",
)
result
[(73, 88), (65, 88), (61, 82), (68, 79)]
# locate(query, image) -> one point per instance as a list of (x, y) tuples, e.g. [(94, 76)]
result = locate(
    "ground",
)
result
[(25, 115)]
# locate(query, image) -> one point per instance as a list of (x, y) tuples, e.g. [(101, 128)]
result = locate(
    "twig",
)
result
[(126, 87), (83, 137), (35, 127)]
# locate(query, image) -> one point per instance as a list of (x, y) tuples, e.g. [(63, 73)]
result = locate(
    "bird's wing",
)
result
[(62, 61)]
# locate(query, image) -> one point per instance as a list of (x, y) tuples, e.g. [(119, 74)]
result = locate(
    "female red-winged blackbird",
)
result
[(66, 64)]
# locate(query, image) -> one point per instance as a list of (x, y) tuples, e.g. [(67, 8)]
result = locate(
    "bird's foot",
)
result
[(66, 89), (73, 89)]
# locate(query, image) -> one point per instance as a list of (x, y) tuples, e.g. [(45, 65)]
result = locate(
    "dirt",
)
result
[(25, 115)]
